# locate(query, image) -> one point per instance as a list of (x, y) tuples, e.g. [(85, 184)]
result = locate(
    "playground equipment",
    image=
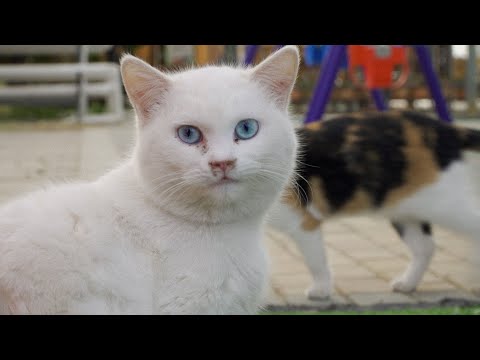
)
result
[(314, 55), (63, 83), (377, 63)]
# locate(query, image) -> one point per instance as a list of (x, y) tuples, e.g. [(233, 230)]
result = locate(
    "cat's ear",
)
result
[(145, 86), (278, 73)]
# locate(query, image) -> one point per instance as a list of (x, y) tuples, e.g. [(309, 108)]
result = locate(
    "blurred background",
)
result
[(452, 64), (455, 65), (64, 116)]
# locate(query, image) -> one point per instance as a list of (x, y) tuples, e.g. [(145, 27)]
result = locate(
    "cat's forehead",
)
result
[(215, 90), (211, 77), (214, 93)]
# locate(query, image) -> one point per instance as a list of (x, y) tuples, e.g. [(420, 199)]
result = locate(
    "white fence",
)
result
[(65, 83)]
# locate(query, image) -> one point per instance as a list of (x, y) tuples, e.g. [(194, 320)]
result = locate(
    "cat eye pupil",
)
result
[(189, 134), (246, 129)]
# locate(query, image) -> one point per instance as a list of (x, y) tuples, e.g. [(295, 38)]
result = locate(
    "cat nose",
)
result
[(225, 165)]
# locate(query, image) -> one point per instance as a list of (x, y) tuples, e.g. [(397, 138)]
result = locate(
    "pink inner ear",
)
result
[(145, 87), (278, 73), (278, 87), (281, 86), (146, 97), (140, 95)]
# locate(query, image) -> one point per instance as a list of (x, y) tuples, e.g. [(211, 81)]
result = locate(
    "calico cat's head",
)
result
[(214, 143)]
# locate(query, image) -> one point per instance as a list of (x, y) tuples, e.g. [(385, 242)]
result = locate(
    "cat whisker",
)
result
[(297, 174), (172, 190), (296, 187), (175, 177)]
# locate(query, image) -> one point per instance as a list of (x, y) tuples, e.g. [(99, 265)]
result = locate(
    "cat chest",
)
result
[(208, 281)]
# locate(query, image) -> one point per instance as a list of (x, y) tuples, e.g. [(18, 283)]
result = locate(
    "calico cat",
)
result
[(404, 165), (178, 227)]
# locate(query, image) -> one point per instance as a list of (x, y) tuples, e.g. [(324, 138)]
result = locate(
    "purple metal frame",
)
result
[(325, 82), (379, 99), (330, 69), (250, 53), (423, 55), (329, 72)]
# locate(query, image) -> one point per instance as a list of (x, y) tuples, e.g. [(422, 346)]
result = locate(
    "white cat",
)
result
[(177, 228)]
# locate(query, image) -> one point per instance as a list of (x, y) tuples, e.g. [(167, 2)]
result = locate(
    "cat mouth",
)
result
[(225, 181)]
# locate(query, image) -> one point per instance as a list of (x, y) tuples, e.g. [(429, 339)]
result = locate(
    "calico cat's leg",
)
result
[(450, 202), (307, 235), (418, 237), (312, 247)]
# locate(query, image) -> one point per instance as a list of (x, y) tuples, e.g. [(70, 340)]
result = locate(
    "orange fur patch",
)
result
[(358, 202), (421, 167), (309, 222), (315, 126)]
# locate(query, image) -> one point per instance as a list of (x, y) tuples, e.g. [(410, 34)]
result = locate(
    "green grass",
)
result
[(474, 310), (43, 113), (23, 113)]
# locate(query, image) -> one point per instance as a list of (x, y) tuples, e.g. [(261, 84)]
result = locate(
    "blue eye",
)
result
[(246, 129), (189, 134)]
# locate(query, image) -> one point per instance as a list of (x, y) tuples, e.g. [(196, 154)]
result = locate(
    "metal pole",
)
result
[(82, 106), (325, 83), (379, 99), (425, 61), (250, 53), (471, 80)]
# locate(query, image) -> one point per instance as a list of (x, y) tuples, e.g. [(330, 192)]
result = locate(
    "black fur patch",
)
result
[(322, 158), (446, 145), (471, 139), (351, 153), (398, 228), (346, 167), (427, 228)]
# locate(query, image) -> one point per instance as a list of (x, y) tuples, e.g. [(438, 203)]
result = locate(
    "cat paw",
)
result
[(402, 286), (319, 292)]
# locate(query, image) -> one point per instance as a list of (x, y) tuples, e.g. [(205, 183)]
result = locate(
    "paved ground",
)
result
[(365, 253)]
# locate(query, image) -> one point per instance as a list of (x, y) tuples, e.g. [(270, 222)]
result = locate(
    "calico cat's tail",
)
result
[(469, 139)]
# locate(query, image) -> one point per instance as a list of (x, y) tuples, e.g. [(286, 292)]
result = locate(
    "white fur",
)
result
[(285, 219), (449, 202), (422, 248), (155, 236)]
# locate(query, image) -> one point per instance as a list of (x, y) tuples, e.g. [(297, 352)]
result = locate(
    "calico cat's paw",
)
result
[(319, 292), (403, 286)]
